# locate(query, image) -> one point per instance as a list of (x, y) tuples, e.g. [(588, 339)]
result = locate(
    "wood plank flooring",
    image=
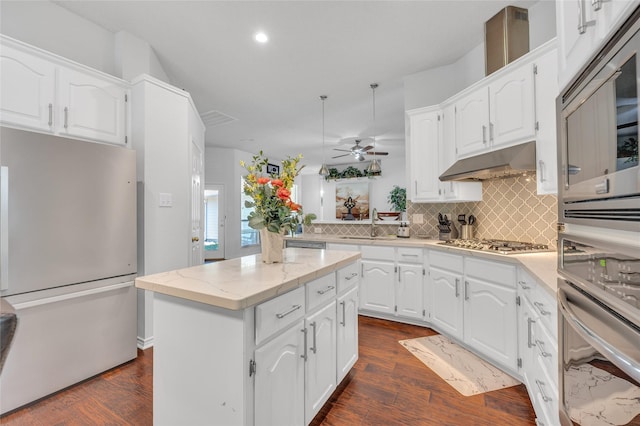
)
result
[(388, 386)]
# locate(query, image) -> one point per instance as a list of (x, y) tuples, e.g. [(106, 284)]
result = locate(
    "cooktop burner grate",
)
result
[(498, 246)]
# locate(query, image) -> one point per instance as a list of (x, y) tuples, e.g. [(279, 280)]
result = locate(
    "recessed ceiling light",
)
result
[(261, 37)]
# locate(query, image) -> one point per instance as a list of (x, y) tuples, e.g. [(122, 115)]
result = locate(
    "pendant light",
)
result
[(324, 171), (374, 166)]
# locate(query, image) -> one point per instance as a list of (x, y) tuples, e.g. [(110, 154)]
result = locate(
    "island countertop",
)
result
[(243, 282)]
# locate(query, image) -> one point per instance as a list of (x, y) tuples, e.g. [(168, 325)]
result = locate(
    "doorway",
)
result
[(214, 222)]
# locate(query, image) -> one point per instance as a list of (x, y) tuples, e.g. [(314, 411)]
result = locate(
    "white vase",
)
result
[(272, 244)]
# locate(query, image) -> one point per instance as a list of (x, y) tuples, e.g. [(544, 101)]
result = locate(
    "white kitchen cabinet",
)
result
[(546, 92), (445, 288), (27, 90), (347, 332), (498, 114), (430, 152), (538, 346), (472, 122), (91, 107), (422, 154), (410, 287), (320, 366), (279, 379), (378, 286), (511, 107), (46, 93), (490, 310), (583, 26)]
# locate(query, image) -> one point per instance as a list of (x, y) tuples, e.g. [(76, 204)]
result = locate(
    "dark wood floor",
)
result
[(388, 386)]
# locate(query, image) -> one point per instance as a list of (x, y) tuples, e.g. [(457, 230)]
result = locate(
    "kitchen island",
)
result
[(241, 342)]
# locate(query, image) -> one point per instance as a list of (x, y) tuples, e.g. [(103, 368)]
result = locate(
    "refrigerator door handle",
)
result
[(70, 296), (4, 228)]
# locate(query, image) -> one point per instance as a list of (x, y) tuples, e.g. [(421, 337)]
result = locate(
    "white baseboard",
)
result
[(145, 343)]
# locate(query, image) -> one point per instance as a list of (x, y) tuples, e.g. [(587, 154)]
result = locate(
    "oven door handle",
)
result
[(627, 359)]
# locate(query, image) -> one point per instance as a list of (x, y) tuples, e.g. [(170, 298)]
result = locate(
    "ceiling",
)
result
[(272, 91)]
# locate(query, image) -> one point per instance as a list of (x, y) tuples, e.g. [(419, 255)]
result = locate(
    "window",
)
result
[(248, 236)]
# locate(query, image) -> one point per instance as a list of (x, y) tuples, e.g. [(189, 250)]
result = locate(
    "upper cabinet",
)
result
[(45, 93), (498, 114), (582, 27), (429, 153), (512, 106)]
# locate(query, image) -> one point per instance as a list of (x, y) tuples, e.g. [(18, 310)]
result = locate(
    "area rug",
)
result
[(598, 398), (464, 371)]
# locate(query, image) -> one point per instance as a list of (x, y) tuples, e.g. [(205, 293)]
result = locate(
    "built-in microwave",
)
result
[(598, 137)]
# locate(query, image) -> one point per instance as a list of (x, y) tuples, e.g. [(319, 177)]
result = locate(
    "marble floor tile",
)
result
[(597, 397), (464, 371)]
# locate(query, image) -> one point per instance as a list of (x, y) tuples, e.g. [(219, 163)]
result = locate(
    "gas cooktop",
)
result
[(498, 246)]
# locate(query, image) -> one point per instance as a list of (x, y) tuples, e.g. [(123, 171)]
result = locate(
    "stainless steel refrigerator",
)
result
[(67, 261)]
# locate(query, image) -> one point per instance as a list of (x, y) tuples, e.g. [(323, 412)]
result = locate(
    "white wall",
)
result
[(53, 28), (134, 56)]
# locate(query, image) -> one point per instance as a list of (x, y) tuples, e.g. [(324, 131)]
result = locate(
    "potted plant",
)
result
[(274, 213), (398, 199)]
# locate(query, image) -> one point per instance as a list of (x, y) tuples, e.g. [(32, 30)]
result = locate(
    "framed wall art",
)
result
[(352, 200)]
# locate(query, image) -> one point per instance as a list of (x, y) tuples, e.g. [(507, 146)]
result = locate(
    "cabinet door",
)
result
[(575, 45), (511, 102), (409, 291), (279, 379), (91, 107), (377, 287), (526, 340), (546, 90), (320, 367), (27, 90), (347, 334), (490, 320), (446, 306), (472, 121), (424, 133)]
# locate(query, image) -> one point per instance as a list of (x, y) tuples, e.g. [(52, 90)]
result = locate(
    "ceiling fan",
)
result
[(359, 151)]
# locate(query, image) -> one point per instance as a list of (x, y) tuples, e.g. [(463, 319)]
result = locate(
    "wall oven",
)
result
[(598, 137), (599, 332)]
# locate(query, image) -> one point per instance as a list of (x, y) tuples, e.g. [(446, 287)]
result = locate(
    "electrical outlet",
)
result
[(417, 218)]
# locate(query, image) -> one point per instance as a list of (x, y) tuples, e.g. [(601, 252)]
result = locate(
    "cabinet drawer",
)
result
[(547, 309), (496, 272), (545, 394), (442, 260), (379, 253), (526, 284), (410, 255), (278, 313), (321, 290), (348, 276), (546, 353)]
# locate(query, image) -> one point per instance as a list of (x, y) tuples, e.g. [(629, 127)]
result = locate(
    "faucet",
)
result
[(374, 216)]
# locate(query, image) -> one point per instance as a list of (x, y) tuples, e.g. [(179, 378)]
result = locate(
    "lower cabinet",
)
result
[(444, 283), (347, 332), (378, 286), (320, 356), (279, 379)]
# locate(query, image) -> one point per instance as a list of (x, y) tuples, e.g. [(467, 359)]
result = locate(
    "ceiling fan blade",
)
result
[(377, 153), (343, 155), (367, 148), (344, 150)]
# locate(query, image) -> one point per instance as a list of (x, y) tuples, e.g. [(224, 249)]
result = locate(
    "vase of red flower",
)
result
[(274, 213)]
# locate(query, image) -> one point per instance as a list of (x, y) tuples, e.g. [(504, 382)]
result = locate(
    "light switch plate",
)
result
[(417, 218), (166, 199)]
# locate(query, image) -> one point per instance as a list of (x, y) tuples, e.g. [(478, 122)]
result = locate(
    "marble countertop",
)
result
[(542, 266), (239, 283)]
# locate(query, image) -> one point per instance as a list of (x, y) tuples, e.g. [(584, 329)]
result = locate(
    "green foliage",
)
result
[(398, 198)]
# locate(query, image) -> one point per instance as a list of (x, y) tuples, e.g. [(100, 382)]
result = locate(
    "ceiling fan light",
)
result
[(324, 170)]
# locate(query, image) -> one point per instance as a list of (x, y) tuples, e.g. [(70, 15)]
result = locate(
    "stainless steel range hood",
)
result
[(492, 165)]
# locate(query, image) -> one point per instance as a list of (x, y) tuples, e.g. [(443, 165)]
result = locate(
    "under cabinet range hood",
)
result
[(514, 160)]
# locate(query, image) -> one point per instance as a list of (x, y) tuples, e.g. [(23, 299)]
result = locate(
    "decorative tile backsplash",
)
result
[(510, 210)]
